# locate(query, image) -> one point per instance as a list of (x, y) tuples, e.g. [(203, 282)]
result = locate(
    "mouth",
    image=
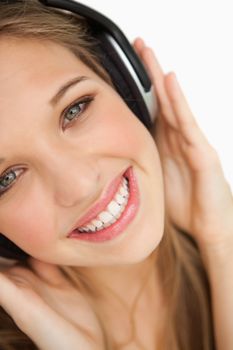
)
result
[(118, 209)]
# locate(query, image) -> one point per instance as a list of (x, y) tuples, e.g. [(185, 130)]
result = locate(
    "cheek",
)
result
[(27, 222), (119, 130)]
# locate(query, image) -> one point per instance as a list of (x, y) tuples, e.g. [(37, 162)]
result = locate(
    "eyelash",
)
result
[(84, 101)]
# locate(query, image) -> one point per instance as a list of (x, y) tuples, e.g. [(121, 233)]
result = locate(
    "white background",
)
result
[(194, 38)]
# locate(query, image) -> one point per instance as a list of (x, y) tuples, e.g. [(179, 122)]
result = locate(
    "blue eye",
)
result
[(76, 109), (7, 179)]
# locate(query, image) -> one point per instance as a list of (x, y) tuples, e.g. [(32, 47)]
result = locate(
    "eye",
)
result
[(76, 109), (7, 179)]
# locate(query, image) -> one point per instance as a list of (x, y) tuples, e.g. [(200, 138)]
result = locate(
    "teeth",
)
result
[(124, 191), (91, 227), (105, 217), (125, 183), (113, 208), (122, 208), (97, 223), (83, 229), (119, 199), (107, 224), (112, 212), (118, 215)]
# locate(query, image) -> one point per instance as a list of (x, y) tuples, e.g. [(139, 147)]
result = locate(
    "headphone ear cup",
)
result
[(11, 251), (122, 79)]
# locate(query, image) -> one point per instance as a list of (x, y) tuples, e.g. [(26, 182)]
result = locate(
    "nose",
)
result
[(74, 181)]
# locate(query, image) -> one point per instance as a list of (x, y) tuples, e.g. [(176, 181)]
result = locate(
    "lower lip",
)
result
[(124, 220)]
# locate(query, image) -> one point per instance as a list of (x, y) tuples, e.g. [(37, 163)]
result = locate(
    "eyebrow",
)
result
[(61, 92), (63, 89)]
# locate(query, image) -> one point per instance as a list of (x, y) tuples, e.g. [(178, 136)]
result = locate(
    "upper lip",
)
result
[(102, 202)]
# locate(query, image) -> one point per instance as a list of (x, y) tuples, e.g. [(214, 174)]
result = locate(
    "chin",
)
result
[(135, 254)]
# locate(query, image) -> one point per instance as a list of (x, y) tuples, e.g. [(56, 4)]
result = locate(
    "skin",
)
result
[(198, 197), (201, 203), (60, 178)]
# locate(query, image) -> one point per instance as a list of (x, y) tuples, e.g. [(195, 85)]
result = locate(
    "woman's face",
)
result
[(58, 167)]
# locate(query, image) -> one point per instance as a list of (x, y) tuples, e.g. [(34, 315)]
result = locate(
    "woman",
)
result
[(160, 282)]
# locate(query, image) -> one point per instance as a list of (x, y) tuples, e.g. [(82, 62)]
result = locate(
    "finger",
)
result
[(14, 297), (194, 144), (191, 132), (138, 45), (37, 320), (157, 76), (162, 138), (173, 141), (7, 294)]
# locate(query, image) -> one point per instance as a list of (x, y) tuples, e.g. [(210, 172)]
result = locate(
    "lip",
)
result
[(102, 203), (124, 220)]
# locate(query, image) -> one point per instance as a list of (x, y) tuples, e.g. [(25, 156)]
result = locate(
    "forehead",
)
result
[(35, 65)]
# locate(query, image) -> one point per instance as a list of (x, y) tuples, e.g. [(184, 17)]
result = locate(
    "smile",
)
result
[(112, 212), (117, 214)]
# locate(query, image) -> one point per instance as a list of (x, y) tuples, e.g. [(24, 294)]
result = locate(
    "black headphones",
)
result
[(127, 72)]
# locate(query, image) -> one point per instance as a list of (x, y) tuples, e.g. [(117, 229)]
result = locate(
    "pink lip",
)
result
[(124, 220), (106, 197)]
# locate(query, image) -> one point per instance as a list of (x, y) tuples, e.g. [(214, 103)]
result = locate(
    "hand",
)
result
[(198, 198), (48, 309)]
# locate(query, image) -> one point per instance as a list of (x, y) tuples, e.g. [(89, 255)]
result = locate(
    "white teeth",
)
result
[(91, 227), (125, 183), (83, 229), (122, 208), (107, 224), (123, 191), (119, 199), (113, 207), (118, 215), (112, 212), (105, 217), (97, 223)]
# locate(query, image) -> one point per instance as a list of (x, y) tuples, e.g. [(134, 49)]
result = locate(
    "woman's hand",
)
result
[(198, 198), (48, 309)]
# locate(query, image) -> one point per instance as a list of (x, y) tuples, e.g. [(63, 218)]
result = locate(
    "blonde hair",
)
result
[(189, 322)]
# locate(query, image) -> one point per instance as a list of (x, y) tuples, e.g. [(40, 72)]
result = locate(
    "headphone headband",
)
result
[(99, 21)]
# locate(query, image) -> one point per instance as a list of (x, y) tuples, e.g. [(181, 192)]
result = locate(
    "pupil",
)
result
[(8, 179), (73, 112)]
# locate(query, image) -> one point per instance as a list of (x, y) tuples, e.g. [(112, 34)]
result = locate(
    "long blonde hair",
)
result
[(185, 285)]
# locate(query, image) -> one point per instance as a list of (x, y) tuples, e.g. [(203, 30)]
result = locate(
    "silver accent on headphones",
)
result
[(148, 97)]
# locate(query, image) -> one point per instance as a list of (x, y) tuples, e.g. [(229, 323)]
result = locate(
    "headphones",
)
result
[(126, 70)]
